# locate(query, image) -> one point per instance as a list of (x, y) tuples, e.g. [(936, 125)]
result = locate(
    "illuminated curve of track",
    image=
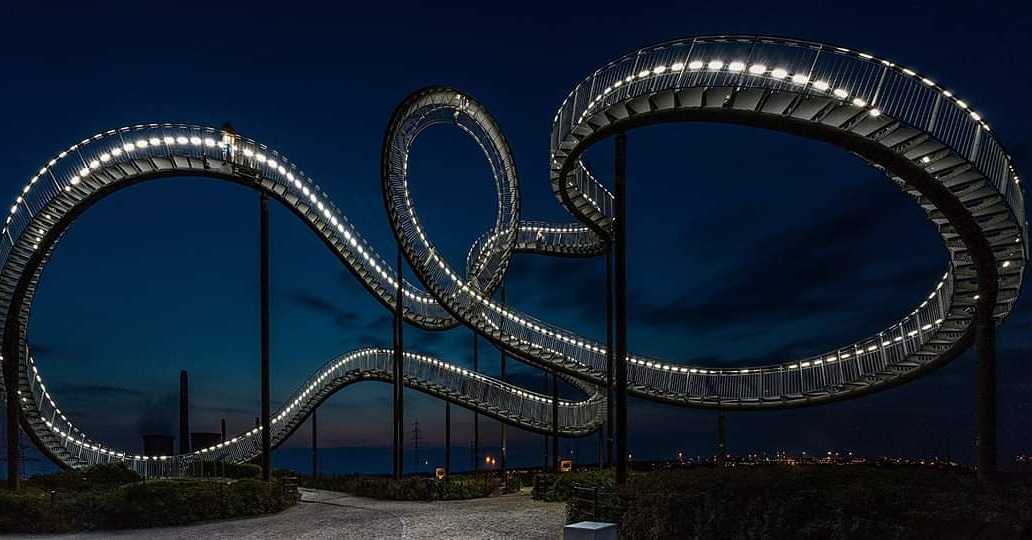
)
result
[(924, 138)]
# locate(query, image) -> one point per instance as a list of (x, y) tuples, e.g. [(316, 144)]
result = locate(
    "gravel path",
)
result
[(325, 514)]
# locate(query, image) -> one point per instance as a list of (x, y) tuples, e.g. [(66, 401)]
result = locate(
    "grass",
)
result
[(111, 497)]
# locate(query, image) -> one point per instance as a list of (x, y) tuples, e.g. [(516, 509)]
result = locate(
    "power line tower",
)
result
[(415, 439)]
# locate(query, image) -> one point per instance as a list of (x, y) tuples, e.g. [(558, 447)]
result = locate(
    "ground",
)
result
[(326, 514)]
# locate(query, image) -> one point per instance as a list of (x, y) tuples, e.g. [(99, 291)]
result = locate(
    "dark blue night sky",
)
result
[(745, 246)]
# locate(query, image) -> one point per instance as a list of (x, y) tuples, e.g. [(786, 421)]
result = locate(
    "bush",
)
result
[(821, 502), (93, 477), (109, 474), (412, 488), (514, 484), (558, 487), (212, 469), (94, 498)]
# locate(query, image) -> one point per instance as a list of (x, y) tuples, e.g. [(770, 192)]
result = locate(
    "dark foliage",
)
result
[(560, 487), (412, 488), (112, 497), (818, 502)]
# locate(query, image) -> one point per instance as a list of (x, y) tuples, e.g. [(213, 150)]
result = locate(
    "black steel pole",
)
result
[(13, 415), (476, 417), (609, 355), (315, 445), (184, 412), (555, 421), (620, 230), (544, 390), (985, 391), (266, 425), (505, 470), (447, 439), (399, 395)]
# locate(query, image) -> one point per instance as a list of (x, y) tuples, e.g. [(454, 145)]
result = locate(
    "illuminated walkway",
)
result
[(934, 145)]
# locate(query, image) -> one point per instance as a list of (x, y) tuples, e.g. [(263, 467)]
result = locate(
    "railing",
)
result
[(594, 503), (85, 171), (810, 68)]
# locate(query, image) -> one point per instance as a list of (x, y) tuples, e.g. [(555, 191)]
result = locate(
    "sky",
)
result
[(744, 246)]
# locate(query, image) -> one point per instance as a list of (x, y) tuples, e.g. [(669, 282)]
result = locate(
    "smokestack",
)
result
[(184, 413), (223, 430)]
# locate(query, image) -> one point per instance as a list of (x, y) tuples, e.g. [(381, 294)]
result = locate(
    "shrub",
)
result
[(101, 503), (821, 502), (109, 474), (559, 487), (411, 488)]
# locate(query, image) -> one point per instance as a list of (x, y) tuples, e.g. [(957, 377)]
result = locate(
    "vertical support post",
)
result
[(609, 354), (184, 413), (620, 233), (555, 421), (985, 390), (12, 417), (501, 358), (315, 444), (399, 396), (545, 467), (222, 426), (476, 416), (721, 439), (266, 424), (447, 439)]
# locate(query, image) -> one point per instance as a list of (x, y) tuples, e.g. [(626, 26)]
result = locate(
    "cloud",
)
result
[(100, 392), (812, 268), (343, 318)]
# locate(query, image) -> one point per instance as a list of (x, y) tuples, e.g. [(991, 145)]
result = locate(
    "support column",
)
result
[(13, 415), (184, 412), (545, 467), (476, 416), (266, 425), (399, 383), (609, 354), (447, 439), (985, 391), (620, 271), (555, 421), (501, 358), (315, 444)]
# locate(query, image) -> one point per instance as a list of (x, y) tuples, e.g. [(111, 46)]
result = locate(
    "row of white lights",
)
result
[(775, 73), (209, 142), (261, 158), (228, 142), (758, 69)]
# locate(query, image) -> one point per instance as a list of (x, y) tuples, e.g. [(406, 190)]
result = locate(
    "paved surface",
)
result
[(325, 514)]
